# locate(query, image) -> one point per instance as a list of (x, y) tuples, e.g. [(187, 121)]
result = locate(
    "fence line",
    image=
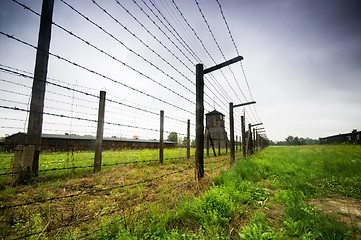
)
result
[(73, 89)]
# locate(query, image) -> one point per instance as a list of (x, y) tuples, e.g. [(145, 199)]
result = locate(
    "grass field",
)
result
[(280, 193), (62, 203)]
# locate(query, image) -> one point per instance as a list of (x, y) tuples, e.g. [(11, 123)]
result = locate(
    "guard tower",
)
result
[(215, 128)]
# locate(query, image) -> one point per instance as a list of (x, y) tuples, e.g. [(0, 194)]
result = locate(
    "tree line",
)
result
[(295, 141), (173, 137)]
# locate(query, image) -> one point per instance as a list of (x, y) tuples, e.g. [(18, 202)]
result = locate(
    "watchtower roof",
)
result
[(215, 112)]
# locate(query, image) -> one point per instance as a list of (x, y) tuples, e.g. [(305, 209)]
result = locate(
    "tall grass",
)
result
[(262, 197), (236, 206)]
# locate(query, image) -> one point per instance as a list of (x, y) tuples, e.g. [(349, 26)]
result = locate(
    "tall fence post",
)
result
[(231, 129), (244, 150), (99, 139), (250, 140), (161, 138), (35, 124), (199, 168), (188, 139), (199, 164)]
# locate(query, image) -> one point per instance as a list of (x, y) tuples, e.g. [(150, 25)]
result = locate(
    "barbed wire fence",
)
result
[(82, 112), (143, 55)]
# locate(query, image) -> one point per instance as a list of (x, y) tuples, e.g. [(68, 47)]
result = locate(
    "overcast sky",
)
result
[(302, 60)]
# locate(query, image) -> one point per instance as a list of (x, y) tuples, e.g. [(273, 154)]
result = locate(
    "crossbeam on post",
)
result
[(244, 104), (224, 64)]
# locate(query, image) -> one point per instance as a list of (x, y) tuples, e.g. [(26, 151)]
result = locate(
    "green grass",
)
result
[(266, 196), (241, 200), (61, 165), (82, 162), (117, 191)]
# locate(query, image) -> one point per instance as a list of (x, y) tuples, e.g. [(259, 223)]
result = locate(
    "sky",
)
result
[(302, 65)]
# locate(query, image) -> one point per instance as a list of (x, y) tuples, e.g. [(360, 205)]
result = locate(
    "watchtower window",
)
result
[(219, 117)]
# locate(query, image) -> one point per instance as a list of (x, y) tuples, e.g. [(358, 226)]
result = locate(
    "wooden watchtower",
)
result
[(215, 130)]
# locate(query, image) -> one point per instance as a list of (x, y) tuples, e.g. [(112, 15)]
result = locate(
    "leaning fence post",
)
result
[(99, 139), (188, 139), (23, 162), (161, 138), (35, 124)]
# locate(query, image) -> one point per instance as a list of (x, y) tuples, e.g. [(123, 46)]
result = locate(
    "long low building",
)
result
[(57, 142), (352, 137)]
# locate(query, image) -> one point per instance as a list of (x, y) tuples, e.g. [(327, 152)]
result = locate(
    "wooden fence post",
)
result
[(250, 139), (161, 138), (188, 139), (35, 124), (254, 140), (243, 136), (199, 164), (99, 139), (231, 129), (199, 158)]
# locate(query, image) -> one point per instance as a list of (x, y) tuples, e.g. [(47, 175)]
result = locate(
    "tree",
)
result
[(193, 143), (184, 142), (172, 137), (294, 141), (289, 140)]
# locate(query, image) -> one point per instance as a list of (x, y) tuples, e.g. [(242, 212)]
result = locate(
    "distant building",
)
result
[(56, 142), (215, 127), (353, 137)]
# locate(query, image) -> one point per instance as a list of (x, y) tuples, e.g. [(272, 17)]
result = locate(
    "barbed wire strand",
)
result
[(97, 73)]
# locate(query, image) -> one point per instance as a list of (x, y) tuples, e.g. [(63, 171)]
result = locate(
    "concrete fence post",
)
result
[(100, 129), (35, 124)]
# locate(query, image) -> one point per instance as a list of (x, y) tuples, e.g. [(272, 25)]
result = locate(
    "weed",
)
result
[(258, 229)]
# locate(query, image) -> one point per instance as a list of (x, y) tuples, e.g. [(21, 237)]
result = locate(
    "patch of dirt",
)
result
[(348, 209)]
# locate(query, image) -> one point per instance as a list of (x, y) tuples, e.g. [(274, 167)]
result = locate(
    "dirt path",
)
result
[(348, 209)]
